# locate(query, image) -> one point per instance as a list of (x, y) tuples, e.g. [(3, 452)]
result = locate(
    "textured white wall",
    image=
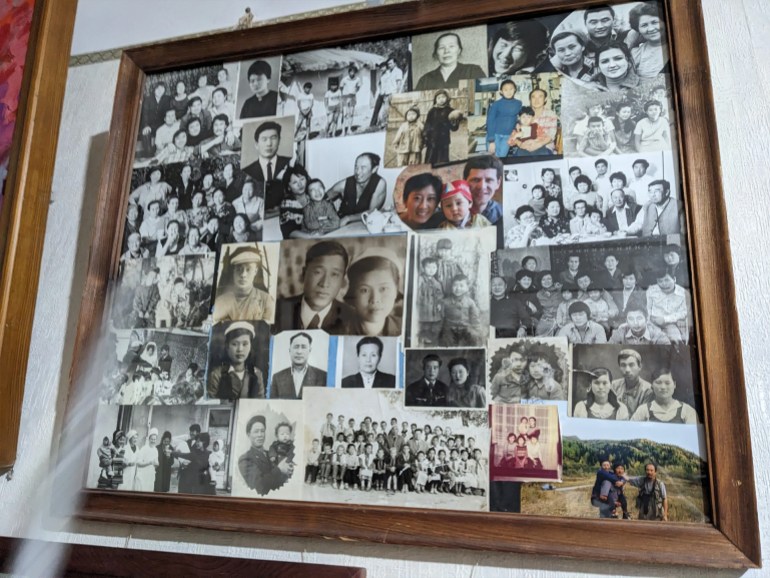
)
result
[(738, 47)]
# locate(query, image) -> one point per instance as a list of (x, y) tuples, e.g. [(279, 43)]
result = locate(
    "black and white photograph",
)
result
[(368, 362), (526, 443), (449, 378), (520, 47), (268, 450), (602, 199), (180, 449), (628, 290), (268, 150), (344, 91), (191, 209), (634, 382), (349, 286), (429, 126), (164, 293), (611, 48), (155, 368), (238, 360), (364, 447), (301, 360), (529, 369), (636, 120), (195, 97), (440, 60), (257, 88), (661, 468), (516, 118), (347, 193), (246, 282), (450, 288)]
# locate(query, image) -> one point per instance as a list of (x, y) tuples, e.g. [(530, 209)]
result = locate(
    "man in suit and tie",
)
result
[(428, 390), (269, 166), (289, 383), (369, 353), (620, 215), (323, 276)]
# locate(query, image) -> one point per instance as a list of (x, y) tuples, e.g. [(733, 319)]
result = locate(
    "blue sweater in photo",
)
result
[(502, 117)]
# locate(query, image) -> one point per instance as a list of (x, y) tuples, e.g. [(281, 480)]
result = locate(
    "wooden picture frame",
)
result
[(25, 210), (733, 539)]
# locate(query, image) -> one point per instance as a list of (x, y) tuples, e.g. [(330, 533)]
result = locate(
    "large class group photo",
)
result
[(385, 454)]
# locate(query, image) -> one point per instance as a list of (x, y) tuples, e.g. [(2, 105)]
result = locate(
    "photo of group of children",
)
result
[(390, 455), (414, 267)]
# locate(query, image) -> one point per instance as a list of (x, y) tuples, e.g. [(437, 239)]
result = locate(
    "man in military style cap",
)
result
[(259, 473), (238, 294)]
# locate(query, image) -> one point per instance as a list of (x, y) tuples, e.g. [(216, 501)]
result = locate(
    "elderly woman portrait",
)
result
[(373, 293), (462, 392), (369, 354), (242, 292), (516, 47), (447, 51), (568, 50), (421, 199), (236, 376)]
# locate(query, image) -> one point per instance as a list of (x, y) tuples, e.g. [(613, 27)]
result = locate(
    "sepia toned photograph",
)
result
[(246, 283), (155, 368), (636, 120), (301, 360), (268, 450), (238, 360), (450, 288), (611, 48), (515, 118), (164, 293), (428, 127), (386, 455), (450, 378), (257, 88), (631, 471), (181, 449), (442, 59), (349, 286), (344, 91), (526, 443), (530, 369), (368, 362), (634, 382)]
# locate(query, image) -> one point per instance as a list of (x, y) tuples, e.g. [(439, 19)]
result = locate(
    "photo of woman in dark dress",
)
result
[(442, 119), (165, 461)]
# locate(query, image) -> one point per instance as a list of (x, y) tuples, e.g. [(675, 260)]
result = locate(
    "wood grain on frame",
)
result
[(85, 560), (732, 542), (25, 210)]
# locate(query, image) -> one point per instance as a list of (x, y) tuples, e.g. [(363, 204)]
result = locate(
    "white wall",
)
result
[(738, 47)]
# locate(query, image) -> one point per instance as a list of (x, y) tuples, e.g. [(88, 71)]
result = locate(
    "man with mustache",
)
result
[(317, 307)]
